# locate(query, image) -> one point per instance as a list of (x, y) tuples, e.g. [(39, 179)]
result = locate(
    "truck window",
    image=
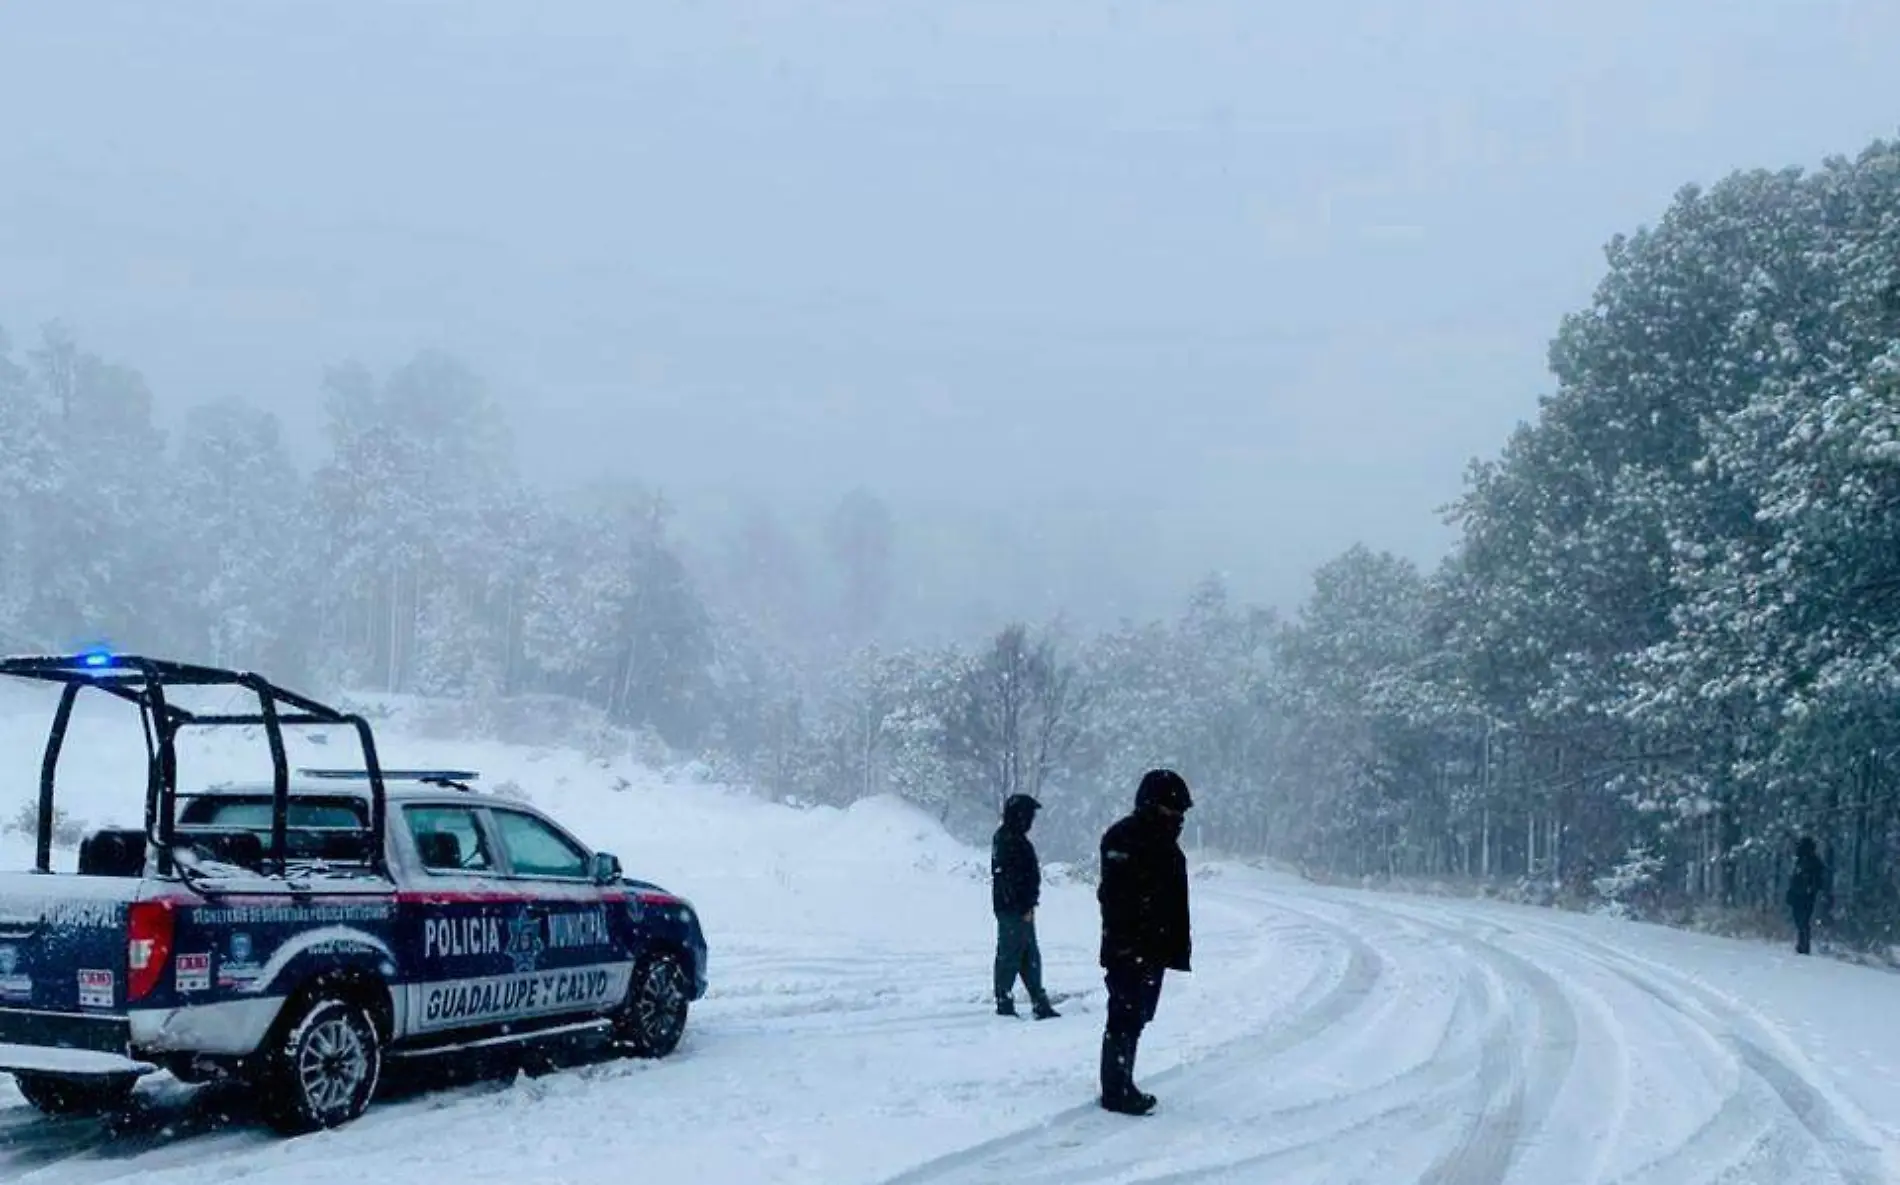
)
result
[(536, 849), (254, 814), (449, 838), (330, 829)]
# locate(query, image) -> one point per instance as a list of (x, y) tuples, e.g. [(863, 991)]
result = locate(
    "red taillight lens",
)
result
[(148, 947)]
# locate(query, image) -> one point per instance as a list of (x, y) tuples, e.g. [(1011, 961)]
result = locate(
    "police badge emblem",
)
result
[(524, 942)]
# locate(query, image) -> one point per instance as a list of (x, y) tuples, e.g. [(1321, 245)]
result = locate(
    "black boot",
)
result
[(1005, 1006), (1118, 1076), (1045, 1010)]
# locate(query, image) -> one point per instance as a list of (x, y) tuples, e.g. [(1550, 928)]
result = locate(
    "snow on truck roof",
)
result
[(397, 784)]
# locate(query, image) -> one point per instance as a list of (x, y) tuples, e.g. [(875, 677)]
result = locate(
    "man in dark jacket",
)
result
[(1807, 887), (1145, 927), (1015, 891)]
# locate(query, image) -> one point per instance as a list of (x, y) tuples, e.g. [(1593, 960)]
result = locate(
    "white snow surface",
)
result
[(1325, 1036)]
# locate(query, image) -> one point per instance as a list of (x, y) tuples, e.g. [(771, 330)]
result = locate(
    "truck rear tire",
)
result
[(325, 1068), (58, 1095)]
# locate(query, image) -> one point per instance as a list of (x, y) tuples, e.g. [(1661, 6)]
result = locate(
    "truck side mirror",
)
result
[(606, 868)]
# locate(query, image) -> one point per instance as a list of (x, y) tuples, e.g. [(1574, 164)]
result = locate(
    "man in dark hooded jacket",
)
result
[(1145, 926), (1806, 888), (1015, 891)]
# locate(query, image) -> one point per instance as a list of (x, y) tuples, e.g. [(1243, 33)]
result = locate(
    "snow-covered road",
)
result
[(1329, 1036), (1466, 1044)]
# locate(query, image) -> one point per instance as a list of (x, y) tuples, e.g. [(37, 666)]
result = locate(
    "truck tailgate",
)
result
[(63, 960)]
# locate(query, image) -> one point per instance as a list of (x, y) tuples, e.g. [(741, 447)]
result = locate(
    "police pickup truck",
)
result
[(296, 933)]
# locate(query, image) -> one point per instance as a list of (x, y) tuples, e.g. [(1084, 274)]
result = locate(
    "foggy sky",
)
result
[(1162, 287)]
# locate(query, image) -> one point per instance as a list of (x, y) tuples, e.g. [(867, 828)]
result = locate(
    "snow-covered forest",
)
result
[(1667, 641)]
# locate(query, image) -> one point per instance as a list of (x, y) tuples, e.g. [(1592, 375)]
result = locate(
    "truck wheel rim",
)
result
[(332, 1066), (661, 997)]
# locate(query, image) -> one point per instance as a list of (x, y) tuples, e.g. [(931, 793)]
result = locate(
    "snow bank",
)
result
[(734, 854)]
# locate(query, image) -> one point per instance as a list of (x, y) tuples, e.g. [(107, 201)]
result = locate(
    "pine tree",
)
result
[(30, 477), (240, 516), (418, 464)]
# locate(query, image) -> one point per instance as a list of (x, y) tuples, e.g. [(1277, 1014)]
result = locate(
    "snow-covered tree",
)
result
[(1014, 718), (108, 571), (248, 548), (614, 617), (407, 501), (30, 477)]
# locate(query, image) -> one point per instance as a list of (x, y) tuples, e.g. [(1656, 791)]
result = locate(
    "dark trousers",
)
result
[(1803, 929), (1134, 992), (1017, 954)]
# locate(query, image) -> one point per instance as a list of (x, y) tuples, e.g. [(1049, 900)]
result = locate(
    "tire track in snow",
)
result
[(1740, 1136), (1405, 1106), (1839, 1139), (1506, 1096), (171, 1125), (1749, 1137), (1320, 1008), (1527, 1082), (1743, 1134), (159, 1116), (777, 994), (1525, 1064), (782, 995), (1735, 1133), (1493, 1077)]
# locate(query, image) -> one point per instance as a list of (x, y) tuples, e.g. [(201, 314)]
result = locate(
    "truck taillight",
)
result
[(148, 947)]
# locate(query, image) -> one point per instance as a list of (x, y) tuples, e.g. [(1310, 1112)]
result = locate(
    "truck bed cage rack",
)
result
[(143, 682)]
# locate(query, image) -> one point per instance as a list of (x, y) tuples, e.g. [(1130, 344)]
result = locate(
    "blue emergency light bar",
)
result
[(394, 775)]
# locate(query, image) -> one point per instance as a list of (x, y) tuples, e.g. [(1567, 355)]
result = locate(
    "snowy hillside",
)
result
[(1327, 1035)]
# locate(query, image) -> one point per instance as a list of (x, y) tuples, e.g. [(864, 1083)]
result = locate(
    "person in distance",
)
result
[(1015, 891)]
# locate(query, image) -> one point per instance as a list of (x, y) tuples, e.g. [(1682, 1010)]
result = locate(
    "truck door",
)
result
[(469, 935), (585, 963)]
